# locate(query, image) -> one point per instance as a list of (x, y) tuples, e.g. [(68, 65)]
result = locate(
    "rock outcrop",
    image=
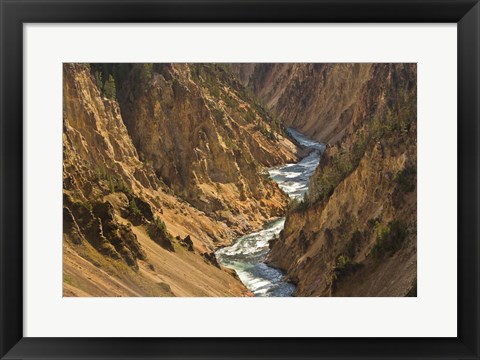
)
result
[(354, 234), (199, 130)]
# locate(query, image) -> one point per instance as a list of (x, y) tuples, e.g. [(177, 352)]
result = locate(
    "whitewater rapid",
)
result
[(247, 254)]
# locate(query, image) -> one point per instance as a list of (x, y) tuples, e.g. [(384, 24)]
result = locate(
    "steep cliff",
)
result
[(354, 234), (165, 163), (133, 224), (319, 100), (207, 139)]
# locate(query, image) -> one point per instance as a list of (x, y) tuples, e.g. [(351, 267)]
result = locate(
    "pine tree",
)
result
[(109, 88), (146, 71), (98, 80)]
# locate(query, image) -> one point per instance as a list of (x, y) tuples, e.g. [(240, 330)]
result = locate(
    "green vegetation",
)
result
[(146, 72), (133, 208), (212, 76), (215, 77), (159, 224), (269, 134), (297, 204), (158, 232), (98, 80), (338, 168), (109, 88), (389, 130), (114, 182), (398, 120), (230, 144), (109, 77), (219, 116), (344, 266), (231, 102), (390, 238), (87, 205)]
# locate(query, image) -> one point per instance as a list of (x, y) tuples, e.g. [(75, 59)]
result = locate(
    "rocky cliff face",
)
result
[(199, 130), (355, 232), (319, 100), (164, 163), (157, 180)]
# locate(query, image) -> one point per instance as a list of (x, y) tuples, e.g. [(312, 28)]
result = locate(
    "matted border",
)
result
[(431, 46)]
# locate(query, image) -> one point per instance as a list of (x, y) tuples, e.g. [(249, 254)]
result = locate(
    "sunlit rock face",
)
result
[(172, 158), (166, 163), (208, 140), (319, 100), (355, 232)]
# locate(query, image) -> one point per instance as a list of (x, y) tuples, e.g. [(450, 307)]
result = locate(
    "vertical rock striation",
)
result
[(199, 129), (354, 234), (318, 100)]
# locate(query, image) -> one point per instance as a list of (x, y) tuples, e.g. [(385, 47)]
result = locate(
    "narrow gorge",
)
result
[(239, 179), (248, 254)]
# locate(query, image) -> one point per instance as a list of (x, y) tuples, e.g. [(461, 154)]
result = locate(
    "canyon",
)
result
[(355, 230), (167, 165)]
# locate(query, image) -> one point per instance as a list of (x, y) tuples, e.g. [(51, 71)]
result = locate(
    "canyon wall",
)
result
[(319, 100), (208, 140), (159, 171), (354, 234), (165, 163)]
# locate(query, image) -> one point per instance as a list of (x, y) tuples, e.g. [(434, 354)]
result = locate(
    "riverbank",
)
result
[(248, 253)]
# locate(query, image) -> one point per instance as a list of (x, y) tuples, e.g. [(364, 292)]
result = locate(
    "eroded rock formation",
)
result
[(164, 163), (319, 100), (167, 160), (355, 232)]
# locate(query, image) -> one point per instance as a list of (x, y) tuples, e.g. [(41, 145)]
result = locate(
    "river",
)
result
[(247, 254)]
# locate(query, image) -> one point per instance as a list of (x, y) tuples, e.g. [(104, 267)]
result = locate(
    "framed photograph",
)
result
[(228, 179)]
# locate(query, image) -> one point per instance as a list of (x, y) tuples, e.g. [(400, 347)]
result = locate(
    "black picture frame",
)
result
[(14, 13)]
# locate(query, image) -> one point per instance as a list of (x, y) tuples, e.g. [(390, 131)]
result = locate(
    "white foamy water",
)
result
[(247, 254)]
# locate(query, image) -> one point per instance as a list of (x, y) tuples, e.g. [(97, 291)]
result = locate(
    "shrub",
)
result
[(344, 265), (133, 208), (390, 238), (297, 204), (158, 232), (116, 184), (159, 224)]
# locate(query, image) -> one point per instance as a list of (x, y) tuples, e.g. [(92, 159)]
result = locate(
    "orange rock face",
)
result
[(166, 163), (169, 160)]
